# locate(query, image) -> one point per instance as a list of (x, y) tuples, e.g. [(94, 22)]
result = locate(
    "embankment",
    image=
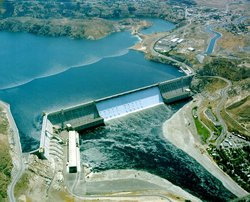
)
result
[(180, 131)]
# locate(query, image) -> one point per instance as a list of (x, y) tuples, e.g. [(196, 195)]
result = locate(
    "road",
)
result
[(99, 197), (157, 54), (219, 107), (181, 64), (17, 157), (224, 96)]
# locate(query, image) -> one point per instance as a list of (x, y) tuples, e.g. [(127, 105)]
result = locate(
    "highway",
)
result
[(17, 157)]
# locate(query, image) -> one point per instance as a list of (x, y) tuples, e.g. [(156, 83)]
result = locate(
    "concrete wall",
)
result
[(78, 116), (128, 103), (175, 90), (94, 113), (46, 135)]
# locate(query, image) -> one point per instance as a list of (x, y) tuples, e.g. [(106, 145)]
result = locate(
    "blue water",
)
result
[(213, 40), (137, 142), (45, 74), (28, 56), (158, 26)]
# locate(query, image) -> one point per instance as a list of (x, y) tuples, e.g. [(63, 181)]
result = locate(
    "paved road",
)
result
[(99, 197), (157, 54), (220, 106), (18, 165)]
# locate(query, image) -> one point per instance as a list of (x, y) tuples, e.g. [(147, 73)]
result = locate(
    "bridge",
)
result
[(96, 113)]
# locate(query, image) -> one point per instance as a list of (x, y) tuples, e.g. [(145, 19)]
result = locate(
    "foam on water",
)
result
[(136, 142)]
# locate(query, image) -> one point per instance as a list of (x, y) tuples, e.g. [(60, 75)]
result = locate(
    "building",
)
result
[(73, 163)]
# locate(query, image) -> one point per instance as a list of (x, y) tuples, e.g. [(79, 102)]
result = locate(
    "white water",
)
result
[(130, 103)]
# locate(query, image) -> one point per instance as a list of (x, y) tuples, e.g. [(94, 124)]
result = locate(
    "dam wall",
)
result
[(175, 90), (95, 113), (79, 117), (122, 105), (46, 136)]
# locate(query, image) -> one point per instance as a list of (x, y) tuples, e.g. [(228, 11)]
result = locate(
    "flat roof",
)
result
[(72, 148)]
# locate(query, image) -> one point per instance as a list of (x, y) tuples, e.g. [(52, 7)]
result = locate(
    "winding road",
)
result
[(224, 96), (17, 156)]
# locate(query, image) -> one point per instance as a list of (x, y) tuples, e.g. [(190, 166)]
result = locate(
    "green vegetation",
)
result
[(5, 160), (235, 162), (5, 168), (240, 111), (238, 104), (22, 185), (227, 68), (208, 84), (232, 125), (201, 129), (3, 123)]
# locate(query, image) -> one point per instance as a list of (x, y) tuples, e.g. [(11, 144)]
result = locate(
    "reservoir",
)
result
[(43, 74), (158, 26)]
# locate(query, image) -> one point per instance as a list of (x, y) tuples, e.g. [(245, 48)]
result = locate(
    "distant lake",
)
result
[(158, 26), (44, 74)]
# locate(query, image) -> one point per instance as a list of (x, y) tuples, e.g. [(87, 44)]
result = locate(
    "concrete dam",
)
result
[(96, 113)]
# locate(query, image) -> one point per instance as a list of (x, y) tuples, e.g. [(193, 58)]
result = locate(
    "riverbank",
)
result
[(180, 131), (72, 28), (15, 151), (6, 160), (137, 185)]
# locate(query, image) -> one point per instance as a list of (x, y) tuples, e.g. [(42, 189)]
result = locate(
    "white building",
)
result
[(73, 164), (174, 40)]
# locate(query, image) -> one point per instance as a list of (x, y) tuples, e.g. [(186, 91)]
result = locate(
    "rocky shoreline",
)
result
[(73, 28)]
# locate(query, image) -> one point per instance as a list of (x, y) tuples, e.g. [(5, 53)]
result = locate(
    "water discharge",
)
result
[(136, 142)]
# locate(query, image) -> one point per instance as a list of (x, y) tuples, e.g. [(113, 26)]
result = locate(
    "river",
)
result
[(136, 141), (213, 40)]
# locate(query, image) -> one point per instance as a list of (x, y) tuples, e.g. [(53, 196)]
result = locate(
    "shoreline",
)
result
[(180, 131), (142, 178), (15, 151)]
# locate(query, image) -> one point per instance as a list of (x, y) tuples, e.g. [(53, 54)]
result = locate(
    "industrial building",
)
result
[(73, 157)]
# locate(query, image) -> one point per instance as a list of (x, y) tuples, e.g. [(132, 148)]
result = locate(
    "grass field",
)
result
[(240, 111), (201, 129), (22, 185)]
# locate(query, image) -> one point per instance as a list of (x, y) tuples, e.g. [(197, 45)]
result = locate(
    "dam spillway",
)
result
[(123, 104), (96, 113)]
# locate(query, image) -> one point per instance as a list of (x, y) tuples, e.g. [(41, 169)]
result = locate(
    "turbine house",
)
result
[(73, 164)]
